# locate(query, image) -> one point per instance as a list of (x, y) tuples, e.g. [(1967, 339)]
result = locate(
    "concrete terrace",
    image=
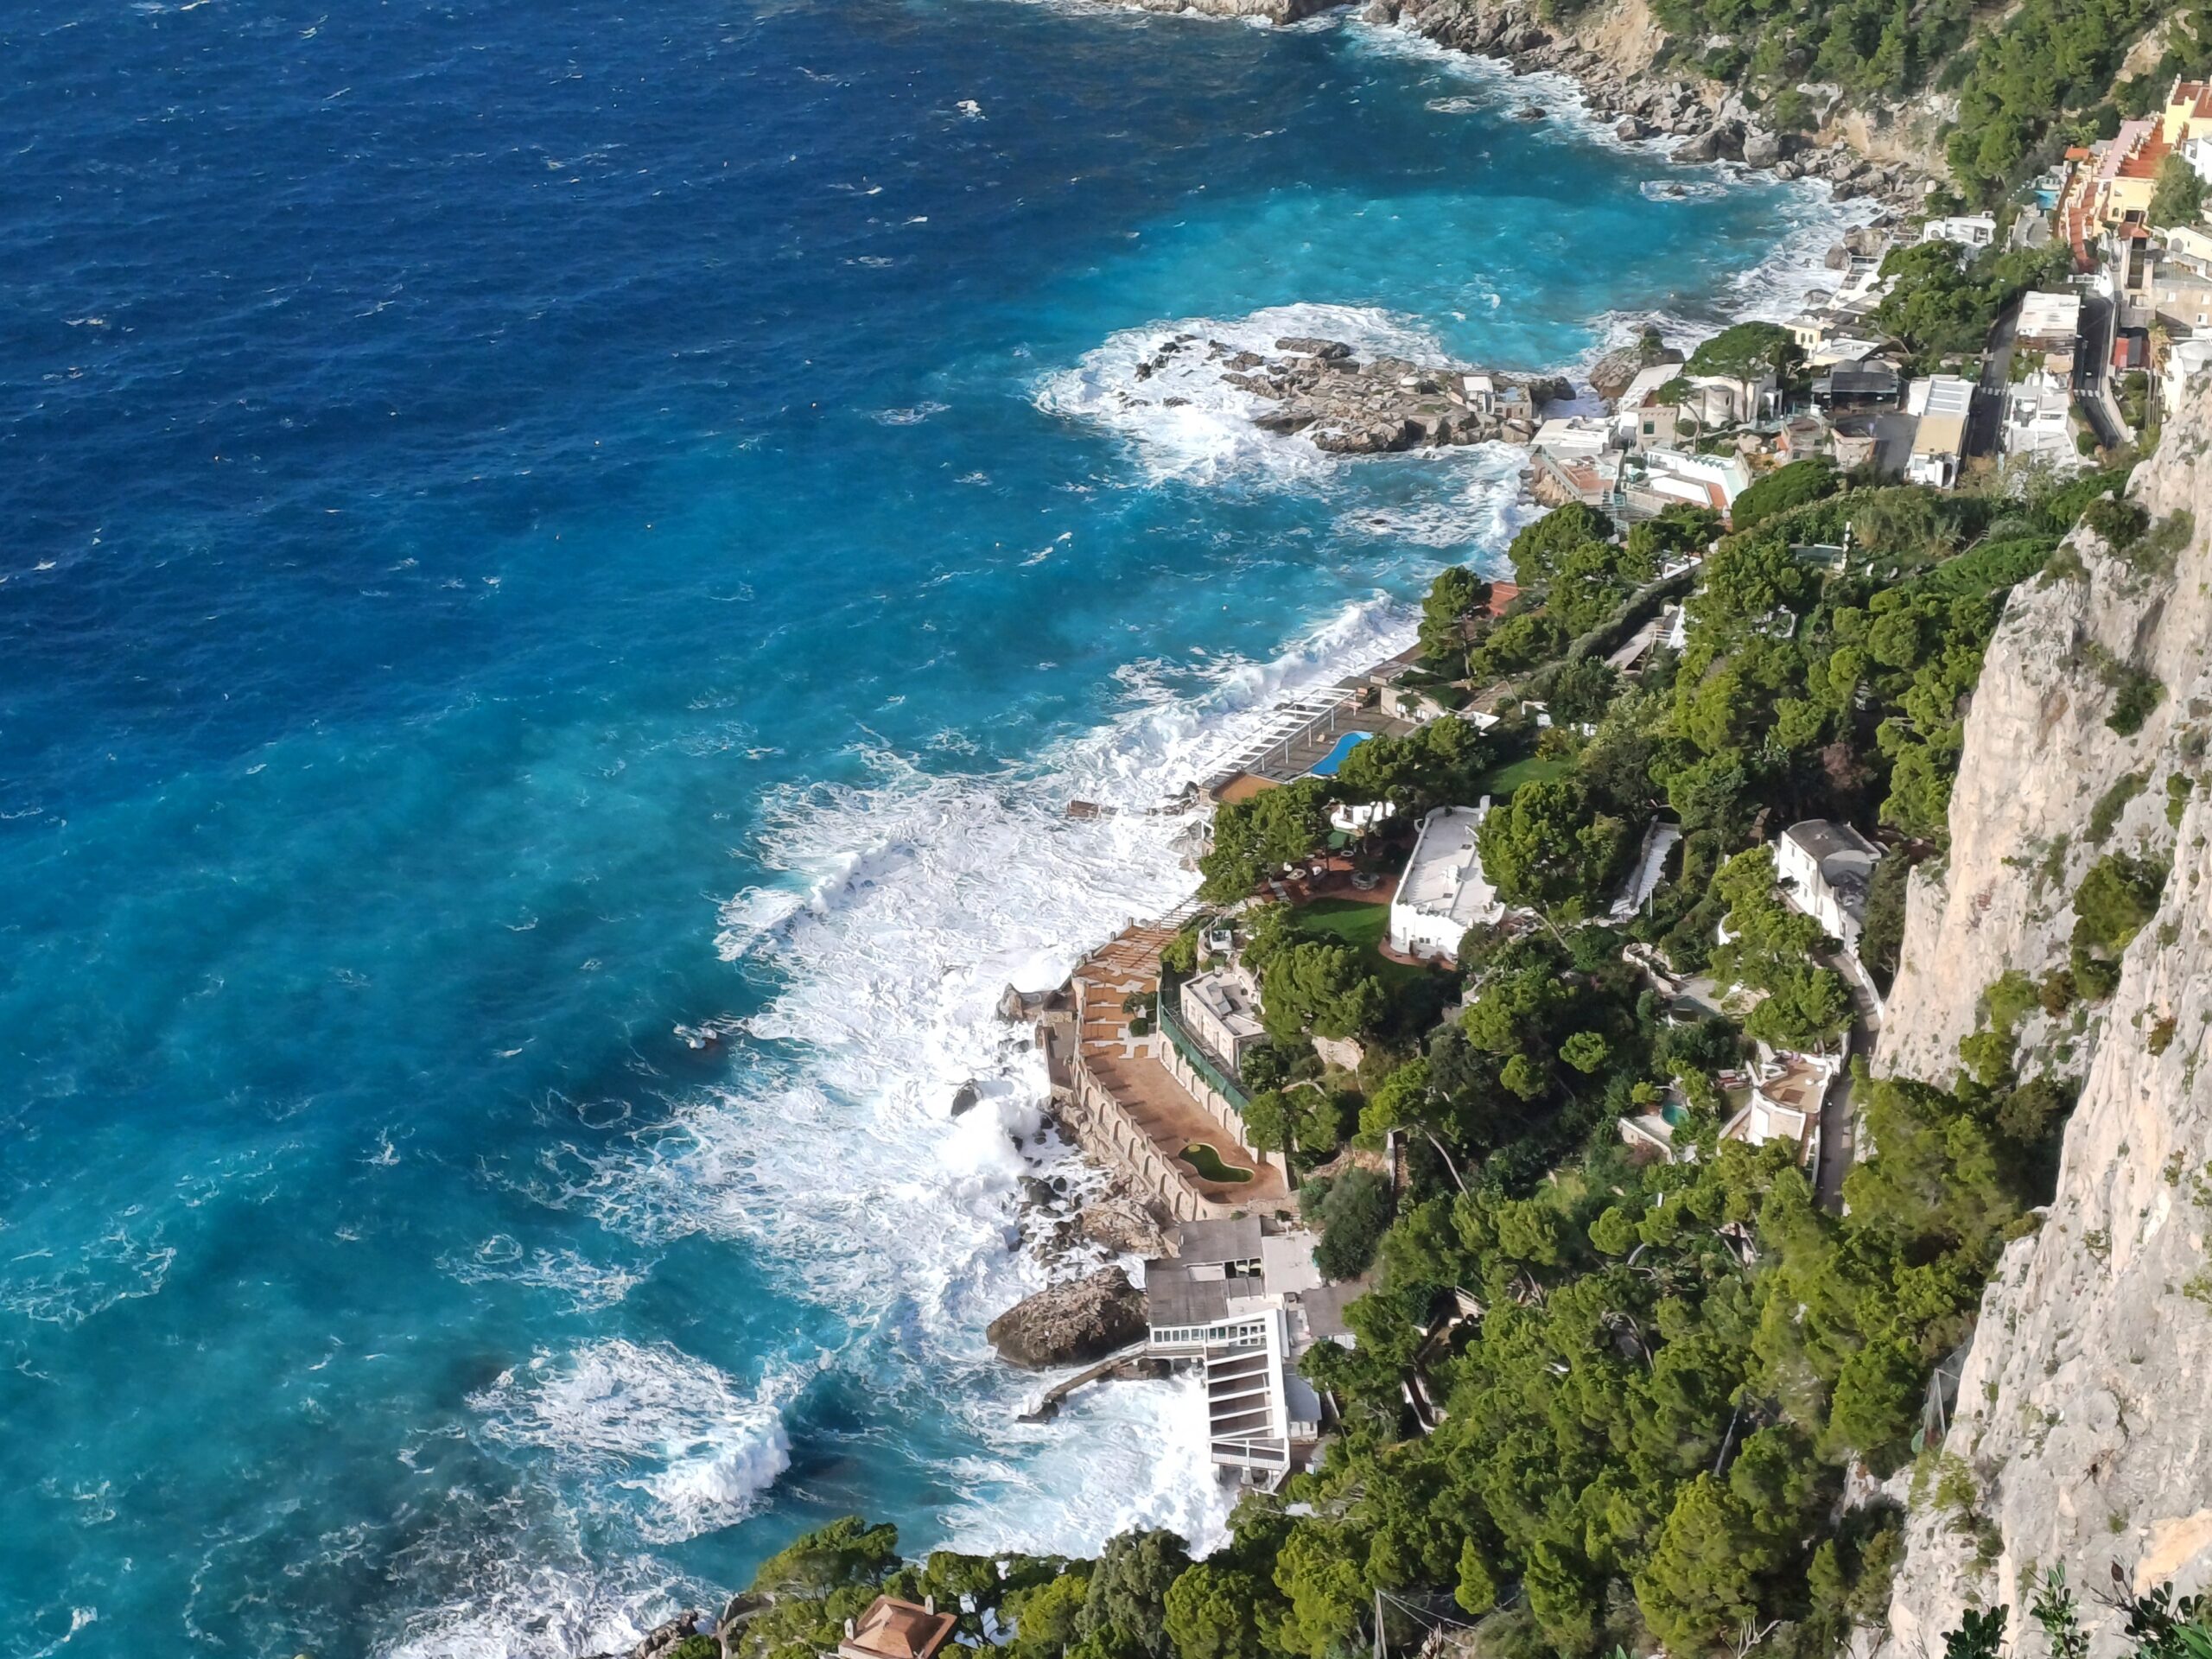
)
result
[(1127, 1067), (1303, 731)]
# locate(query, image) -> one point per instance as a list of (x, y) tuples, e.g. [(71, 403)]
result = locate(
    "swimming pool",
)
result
[(1327, 765)]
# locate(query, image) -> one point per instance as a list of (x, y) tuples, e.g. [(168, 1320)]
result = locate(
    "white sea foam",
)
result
[(125, 1261), (1183, 420), (647, 1420), (920, 897), (1481, 511), (585, 1284), (1770, 291), (504, 1611)]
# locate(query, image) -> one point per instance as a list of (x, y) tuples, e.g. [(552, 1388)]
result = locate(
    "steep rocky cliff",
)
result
[(2082, 1432)]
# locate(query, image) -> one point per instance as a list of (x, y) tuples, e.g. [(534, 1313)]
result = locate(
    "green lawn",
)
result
[(1362, 926), (1500, 782)]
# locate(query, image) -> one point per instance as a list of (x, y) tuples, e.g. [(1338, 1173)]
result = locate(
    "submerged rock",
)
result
[(1071, 1324)]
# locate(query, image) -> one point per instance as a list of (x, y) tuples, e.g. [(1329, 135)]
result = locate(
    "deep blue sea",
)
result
[(558, 568)]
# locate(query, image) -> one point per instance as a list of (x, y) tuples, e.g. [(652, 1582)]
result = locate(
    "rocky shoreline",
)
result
[(1624, 87), (1641, 106)]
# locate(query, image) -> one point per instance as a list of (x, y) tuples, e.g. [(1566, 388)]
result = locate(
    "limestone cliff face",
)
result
[(2084, 1415)]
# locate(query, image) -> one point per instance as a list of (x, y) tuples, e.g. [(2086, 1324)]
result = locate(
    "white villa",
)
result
[(1966, 230), (1824, 870), (1785, 1102), (1222, 1010), (2037, 419), (1712, 481), (1444, 891)]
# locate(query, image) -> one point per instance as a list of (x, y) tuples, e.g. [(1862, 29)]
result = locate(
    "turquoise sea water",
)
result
[(558, 570)]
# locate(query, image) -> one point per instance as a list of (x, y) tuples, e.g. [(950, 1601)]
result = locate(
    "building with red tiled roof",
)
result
[(892, 1629), (2114, 180)]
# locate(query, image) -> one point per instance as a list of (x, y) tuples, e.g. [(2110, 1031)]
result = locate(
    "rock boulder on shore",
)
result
[(662, 1637), (1071, 1324), (1122, 1223)]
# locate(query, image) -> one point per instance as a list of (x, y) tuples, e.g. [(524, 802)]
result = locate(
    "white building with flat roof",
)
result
[(2048, 322), (1244, 1305), (1443, 891), (1222, 1010), (1941, 437), (1965, 230), (1712, 481), (1567, 436), (2037, 422)]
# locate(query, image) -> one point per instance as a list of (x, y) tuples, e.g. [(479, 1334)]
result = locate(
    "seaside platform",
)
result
[(1132, 1107)]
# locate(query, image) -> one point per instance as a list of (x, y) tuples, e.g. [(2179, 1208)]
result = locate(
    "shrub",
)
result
[(1881, 939), (1783, 488), (2120, 523), (2106, 814), (2158, 550), (1354, 1210), (2056, 993), (2117, 897), (2137, 695)]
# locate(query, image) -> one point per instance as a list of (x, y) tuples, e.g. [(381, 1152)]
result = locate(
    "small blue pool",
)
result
[(1327, 765)]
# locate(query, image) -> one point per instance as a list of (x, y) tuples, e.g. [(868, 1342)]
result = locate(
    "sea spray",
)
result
[(915, 901), (647, 1424), (1184, 421)]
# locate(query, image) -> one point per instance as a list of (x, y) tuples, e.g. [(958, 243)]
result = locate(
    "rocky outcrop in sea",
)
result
[(1348, 405), (1072, 1324)]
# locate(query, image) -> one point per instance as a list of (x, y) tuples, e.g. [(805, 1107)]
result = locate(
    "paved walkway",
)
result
[(1840, 1113)]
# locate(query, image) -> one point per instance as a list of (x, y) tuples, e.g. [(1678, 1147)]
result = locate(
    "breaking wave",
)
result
[(647, 1422)]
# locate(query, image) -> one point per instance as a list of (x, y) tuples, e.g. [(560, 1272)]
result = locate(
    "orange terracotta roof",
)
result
[(892, 1629)]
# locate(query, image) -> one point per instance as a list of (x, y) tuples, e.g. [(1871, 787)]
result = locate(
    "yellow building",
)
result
[(2188, 113)]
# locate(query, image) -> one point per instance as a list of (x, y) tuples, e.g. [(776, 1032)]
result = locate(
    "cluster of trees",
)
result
[(1942, 304), (1646, 1425), (1253, 838), (2041, 79), (1773, 950), (2179, 198), (1869, 47), (1803, 691), (2029, 79)]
